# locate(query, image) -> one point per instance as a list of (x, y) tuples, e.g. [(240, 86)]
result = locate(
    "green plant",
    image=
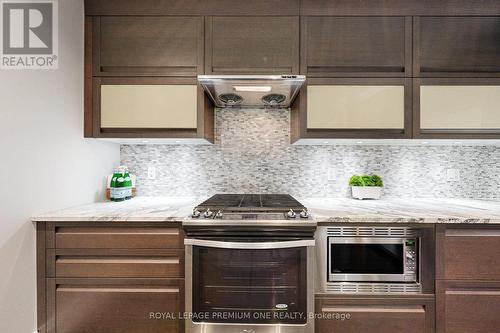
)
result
[(366, 180)]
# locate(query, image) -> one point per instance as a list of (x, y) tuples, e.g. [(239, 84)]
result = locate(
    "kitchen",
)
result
[(297, 166)]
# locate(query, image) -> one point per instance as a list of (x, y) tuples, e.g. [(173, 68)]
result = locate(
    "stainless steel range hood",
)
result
[(256, 91)]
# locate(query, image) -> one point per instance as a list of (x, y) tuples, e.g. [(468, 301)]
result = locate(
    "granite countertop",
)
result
[(324, 210), (140, 209), (405, 210)]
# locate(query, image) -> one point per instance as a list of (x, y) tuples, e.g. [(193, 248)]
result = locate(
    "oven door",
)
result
[(260, 286), (358, 259)]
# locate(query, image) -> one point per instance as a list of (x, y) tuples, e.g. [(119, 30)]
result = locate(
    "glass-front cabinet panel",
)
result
[(459, 107), (250, 286), (356, 107), (149, 106)]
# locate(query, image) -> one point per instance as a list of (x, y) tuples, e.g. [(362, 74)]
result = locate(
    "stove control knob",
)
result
[(304, 213), (208, 213), (291, 214), (218, 215), (196, 213)]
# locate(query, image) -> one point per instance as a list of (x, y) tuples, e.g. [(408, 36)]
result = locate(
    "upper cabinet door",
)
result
[(148, 46), (252, 45), (457, 46), (340, 108), (356, 46), (445, 108)]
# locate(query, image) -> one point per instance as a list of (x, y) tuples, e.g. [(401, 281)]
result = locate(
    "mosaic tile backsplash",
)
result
[(252, 154)]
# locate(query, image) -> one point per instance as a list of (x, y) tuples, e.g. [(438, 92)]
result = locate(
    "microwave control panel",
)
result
[(410, 259)]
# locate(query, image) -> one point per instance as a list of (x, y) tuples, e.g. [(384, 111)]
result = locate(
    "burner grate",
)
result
[(251, 202)]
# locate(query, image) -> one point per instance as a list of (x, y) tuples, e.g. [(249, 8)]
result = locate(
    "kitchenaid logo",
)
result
[(29, 34)]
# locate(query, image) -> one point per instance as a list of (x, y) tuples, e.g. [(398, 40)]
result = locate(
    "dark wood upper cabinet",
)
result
[(399, 7), (252, 45), (192, 7), (457, 46), (341, 108), (150, 107), (148, 46), (356, 46)]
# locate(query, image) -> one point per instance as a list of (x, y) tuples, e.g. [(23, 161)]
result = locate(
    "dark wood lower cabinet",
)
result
[(110, 277), (104, 306), (129, 278), (468, 307), (468, 279), (371, 314)]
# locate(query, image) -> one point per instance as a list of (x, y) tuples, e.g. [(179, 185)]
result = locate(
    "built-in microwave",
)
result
[(369, 259)]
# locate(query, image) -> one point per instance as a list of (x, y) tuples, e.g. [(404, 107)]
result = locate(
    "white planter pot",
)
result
[(366, 192)]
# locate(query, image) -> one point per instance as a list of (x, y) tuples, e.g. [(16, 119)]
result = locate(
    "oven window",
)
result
[(366, 259), (250, 286)]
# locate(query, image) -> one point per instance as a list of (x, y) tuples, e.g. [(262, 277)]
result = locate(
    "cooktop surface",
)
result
[(251, 202), (249, 209)]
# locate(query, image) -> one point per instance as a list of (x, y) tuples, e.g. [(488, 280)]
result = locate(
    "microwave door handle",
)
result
[(249, 246)]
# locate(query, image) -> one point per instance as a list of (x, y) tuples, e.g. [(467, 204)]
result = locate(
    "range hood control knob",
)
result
[(304, 213), (291, 214), (196, 213), (218, 215), (208, 213)]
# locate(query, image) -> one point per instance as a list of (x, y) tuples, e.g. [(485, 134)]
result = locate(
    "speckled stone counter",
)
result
[(324, 210), (140, 209), (404, 210)]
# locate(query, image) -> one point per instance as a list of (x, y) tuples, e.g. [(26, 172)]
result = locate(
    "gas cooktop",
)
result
[(260, 208)]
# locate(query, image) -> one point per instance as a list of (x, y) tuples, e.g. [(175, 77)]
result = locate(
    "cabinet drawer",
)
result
[(467, 307), (374, 316), (468, 253), (124, 308), (117, 238), (128, 264)]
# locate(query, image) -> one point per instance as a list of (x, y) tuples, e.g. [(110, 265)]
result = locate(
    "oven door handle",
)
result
[(249, 246)]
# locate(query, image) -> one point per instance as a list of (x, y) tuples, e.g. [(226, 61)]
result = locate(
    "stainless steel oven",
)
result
[(249, 283), (370, 259)]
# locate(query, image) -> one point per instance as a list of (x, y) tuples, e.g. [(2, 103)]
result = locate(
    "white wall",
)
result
[(45, 163)]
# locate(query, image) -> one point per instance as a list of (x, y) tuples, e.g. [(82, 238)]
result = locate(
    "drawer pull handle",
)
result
[(117, 261), (472, 233), (116, 231), (416, 309), (118, 290), (473, 292)]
